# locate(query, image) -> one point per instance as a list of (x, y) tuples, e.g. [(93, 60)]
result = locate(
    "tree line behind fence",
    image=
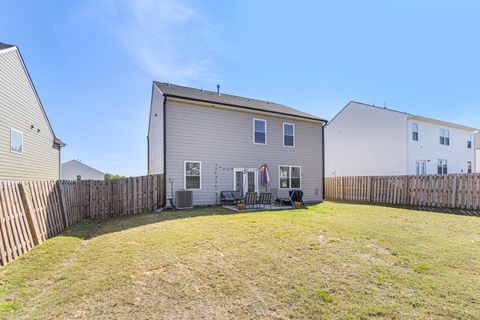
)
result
[(449, 191), (33, 211)]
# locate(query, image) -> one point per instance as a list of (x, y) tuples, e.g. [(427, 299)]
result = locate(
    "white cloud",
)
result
[(167, 38)]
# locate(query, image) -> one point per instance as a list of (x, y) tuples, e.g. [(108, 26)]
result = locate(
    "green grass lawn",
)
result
[(331, 261)]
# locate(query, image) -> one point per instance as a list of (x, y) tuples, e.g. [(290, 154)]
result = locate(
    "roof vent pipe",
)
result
[(218, 89)]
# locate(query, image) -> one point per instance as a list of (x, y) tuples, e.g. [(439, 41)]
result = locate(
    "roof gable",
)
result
[(176, 91), (5, 48), (407, 115), (76, 163)]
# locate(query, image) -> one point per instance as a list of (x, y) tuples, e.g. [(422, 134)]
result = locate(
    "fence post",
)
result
[(369, 189), (62, 204)]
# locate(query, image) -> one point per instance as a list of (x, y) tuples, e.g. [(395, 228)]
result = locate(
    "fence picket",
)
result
[(453, 191)]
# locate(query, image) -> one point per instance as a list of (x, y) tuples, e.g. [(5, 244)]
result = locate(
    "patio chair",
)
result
[(226, 197), (237, 196), (275, 195), (265, 199), (250, 200)]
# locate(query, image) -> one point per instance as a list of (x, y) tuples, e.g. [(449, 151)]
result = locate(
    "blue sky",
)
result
[(93, 62)]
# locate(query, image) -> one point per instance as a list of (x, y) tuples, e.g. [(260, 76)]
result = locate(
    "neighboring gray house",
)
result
[(211, 142), (29, 149), (477, 152), (75, 170)]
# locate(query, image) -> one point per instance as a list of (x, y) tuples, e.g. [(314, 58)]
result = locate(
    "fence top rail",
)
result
[(409, 176)]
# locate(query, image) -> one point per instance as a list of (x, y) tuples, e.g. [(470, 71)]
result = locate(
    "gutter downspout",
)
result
[(323, 161), (164, 152)]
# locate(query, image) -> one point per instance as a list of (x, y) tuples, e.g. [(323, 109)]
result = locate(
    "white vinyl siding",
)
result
[(155, 134), (20, 109), (230, 145)]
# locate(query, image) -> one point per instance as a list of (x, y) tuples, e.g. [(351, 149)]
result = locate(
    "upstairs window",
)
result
[(415, 131), (288, 135), (259, 131), (445, 137), (469, 167), (442, 166), (290, 177), (469, 141), (16, 141), (192, 177)]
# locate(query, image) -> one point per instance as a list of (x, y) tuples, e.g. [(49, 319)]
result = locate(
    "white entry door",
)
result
[(245, 180), (420, 167)]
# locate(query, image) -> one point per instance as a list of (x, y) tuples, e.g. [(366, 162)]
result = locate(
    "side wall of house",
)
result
[(20, 110), (155, 134), (365, 140), (429, 149), (222, 139)]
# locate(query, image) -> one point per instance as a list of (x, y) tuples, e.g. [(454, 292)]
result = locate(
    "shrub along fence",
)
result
[(449, 191), (33, 211)]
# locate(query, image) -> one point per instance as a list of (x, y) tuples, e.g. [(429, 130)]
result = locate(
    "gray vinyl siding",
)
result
[(155, 134), (20, 109), (223, 139)]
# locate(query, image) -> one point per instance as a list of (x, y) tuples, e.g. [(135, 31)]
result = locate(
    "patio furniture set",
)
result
[(254, 200)]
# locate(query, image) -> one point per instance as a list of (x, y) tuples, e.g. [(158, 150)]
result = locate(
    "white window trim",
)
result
[(11, 140), (415, 124), (470, 139), (289, 177), (283, 136), (253, 128), (418, 162), (185, 174), (442, 162), (445, 133)]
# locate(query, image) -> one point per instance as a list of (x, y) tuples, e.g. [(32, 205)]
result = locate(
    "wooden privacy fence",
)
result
[(33, 211), (452, 191)]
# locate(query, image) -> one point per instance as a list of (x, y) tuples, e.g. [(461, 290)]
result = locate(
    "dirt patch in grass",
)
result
[(333, 261)]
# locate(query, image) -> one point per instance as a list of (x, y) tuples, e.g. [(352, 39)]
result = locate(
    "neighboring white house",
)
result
[(210, 142), (75, 170), (29, 149), (365, 140)]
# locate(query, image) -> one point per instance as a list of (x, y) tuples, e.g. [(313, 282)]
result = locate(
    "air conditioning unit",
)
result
[(183, 199)]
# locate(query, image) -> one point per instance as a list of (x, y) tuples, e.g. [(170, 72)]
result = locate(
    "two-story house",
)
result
[(365, 140), (210, 142), (29, 149)]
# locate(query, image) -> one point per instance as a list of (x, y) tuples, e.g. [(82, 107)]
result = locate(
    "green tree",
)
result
[(109, 177)]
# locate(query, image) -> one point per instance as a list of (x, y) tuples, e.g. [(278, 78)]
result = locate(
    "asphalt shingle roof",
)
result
[(177, 91), (5, 46)]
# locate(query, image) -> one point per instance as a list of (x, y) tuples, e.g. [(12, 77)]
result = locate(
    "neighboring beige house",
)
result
[(76, 170), (29, 149), (210, 142), (366, 140)]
